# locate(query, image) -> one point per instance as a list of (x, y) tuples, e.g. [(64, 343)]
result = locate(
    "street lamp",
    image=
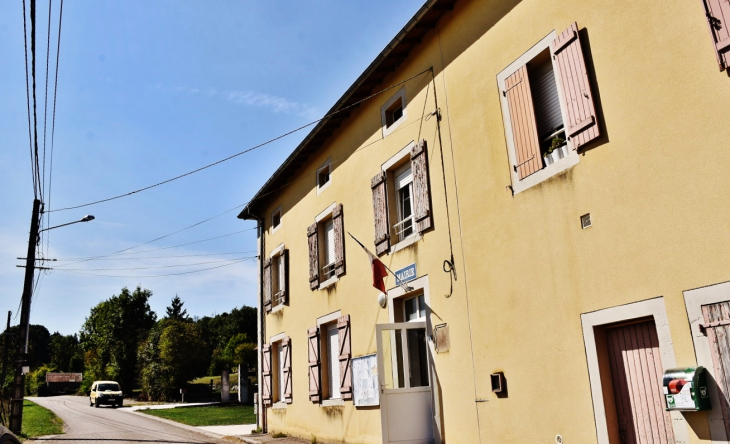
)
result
[(87, 218)]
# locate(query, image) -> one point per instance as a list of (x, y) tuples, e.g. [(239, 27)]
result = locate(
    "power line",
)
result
[(45, 106), (159, 257), (163, 248), (152, 276), (27, 97), (244, 151), (238, 259), (35, 113)]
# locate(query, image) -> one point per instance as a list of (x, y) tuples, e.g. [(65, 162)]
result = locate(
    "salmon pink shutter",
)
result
[(286, 345), (313, 256), (267, 285), (266, 373), (380, 212), (524, 128), (636, 372), (339, 228), (421, 189), (343, 333), (718, 20), (717, 329), (581, 124), (315, 391)]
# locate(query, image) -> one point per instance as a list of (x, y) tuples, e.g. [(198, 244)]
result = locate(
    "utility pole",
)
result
[(5, 366), (16, 412)]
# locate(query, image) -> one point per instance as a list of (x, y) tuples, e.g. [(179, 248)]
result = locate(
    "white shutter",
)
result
[(333, 360), (547, 101), (280, 371), (404, 176), (329, 242)]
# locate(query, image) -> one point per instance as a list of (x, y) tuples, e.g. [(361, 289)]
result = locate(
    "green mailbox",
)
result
[(685, 389)]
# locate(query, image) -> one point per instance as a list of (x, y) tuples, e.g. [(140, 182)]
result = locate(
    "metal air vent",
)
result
[(585, 221)]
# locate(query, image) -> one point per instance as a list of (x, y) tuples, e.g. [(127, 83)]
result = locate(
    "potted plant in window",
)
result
[(557, 150)]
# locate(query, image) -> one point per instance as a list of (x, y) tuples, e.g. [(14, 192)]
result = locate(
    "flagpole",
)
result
[(403, 285)]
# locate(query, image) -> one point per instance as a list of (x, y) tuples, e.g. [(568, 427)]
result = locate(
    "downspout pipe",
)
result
[(246, 214)]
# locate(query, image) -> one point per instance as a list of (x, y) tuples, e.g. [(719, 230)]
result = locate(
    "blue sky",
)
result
[(148, 90)]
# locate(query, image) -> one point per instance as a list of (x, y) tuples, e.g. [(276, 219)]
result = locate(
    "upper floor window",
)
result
[(393, 112), (276, 279), (548, 108), (324, 176), (402, 199), (326, 240), (275, 219)]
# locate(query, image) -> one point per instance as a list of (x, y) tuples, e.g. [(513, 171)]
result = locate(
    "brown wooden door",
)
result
[(636, 372), (718, 333)]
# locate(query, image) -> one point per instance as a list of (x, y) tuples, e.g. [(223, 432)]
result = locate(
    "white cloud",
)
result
[(250, 98)]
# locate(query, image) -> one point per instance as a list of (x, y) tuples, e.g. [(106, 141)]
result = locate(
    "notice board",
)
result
[(365, 381)]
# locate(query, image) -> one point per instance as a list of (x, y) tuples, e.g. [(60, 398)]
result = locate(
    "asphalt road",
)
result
[(85, 424)]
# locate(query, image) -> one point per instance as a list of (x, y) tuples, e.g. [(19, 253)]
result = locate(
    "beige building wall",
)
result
[(654, 183)]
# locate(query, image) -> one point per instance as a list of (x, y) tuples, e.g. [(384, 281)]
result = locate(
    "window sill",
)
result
[(277, 308), (332, 402), (279, 406), (329, 282), (407, 242), (544, 174)]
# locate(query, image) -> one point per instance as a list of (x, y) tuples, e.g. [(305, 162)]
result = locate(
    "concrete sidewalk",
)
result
[(266, 439), (171, 406), (229, 430)]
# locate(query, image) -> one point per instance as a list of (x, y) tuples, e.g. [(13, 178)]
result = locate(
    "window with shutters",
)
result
[(326, 247), (393, 112), (548, 109), (333, 378), (401, 199), (276, 279), (280, 374)]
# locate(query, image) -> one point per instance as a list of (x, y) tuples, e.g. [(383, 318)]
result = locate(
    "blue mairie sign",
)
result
[(405, 274)]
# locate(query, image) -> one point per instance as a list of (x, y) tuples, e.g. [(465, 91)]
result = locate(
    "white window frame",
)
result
[(320, 220), (321, 187), (276, 257), (278, 369), (418, 307), (569, 161), (322, 323), (694, 300), (649, 308), (400, 95), (389, 167), (397, 189), (275, 228)]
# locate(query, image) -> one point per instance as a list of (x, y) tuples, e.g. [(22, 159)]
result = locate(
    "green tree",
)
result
[(65, 353), (218, 331), (175, 310), (111, 335)]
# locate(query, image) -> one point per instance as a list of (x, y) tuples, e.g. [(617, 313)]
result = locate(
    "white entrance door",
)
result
[(405, 387)]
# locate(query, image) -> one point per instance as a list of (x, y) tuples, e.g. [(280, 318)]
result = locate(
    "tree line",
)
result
[(123, 340)]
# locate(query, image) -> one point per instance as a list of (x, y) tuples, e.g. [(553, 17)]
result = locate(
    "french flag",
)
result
[(380, 272)]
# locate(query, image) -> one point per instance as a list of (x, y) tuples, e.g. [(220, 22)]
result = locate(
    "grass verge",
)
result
[(208, 415), (39, 421)]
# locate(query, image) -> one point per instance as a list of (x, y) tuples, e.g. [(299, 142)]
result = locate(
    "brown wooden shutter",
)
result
[(286, 344), (313, 256), (343, 335), (421, 188), (380, 212), (315, 388), (267, 285), (524, 128), (717, 330), (718, 19), (581, 124), (339, 226), (285, 259), (266, 373)]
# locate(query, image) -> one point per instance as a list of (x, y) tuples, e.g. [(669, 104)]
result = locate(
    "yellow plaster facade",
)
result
[(526, 271)]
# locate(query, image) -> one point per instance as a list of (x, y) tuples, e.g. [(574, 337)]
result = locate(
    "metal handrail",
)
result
[(399, 232), (329, 269)]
